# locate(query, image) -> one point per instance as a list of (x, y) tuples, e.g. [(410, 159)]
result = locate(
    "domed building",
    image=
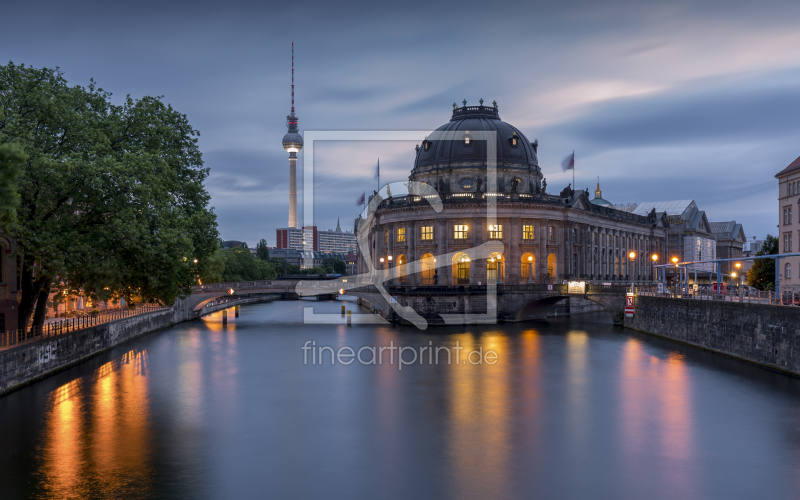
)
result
[(486, 174)]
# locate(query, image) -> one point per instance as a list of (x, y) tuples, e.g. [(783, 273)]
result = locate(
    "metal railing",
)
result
[(66, 325), (735, 294)]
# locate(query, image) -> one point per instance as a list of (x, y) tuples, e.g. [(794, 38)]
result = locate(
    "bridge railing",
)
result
[(61, 326), (737, 294)]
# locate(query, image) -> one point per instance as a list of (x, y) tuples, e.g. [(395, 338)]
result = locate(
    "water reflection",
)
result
[(479, 427), (63, 457), (574, 410), (656, 413), (99, 437)]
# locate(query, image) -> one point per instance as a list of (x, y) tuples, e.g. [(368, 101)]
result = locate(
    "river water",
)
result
[(570, 408)]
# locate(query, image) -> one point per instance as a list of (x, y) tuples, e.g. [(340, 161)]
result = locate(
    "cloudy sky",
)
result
[(663, 100)]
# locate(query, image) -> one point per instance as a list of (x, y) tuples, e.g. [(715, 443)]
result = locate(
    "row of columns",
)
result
[(576, 255)]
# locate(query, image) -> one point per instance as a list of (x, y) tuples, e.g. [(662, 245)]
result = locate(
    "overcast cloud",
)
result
[(678, 100)]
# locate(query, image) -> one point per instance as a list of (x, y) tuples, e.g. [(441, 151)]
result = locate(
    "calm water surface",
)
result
[(573, 408)]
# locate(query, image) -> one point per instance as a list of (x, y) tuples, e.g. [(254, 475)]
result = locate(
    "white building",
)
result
[(337, 241)]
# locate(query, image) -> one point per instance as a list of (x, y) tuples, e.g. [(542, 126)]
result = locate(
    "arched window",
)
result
[(787, 273)]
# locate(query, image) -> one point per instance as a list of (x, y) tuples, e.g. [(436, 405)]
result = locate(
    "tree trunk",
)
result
[(30, 292), (41, 303)]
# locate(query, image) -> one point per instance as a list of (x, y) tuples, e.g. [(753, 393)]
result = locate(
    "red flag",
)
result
[(360, 201), (568, 163)]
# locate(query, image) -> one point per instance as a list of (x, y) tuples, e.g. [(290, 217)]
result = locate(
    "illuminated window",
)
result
[(427, 233), (401, 234), (527, 232), (385, 236), (496, 232), (460, 232), (551, 233), (466, 138)]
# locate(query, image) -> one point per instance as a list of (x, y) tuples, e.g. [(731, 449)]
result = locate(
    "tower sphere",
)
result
[(292, 142)]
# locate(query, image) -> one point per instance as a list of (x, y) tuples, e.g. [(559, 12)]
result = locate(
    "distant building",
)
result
[(730, 240), (337, 241), (306, 239), (689, 236), (754, 246), (788, 191), (227, 245), (292, 256)]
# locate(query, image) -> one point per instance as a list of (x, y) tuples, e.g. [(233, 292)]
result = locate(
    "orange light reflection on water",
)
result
[(479, 441), (98, 436), (656, 413)]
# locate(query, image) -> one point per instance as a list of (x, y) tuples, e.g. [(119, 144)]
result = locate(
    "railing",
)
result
[(742, 295), (66, 325)]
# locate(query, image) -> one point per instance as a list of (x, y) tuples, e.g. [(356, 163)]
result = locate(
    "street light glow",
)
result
[(654, 257), (381, 260), (738, 265), (674, 260), (632, 255), (530, 259)]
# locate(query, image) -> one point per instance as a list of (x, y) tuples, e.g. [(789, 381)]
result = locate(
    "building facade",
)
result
[(730, 239), (305, 239), (546, 238), (788, 227), (337, 241), (689, 237)]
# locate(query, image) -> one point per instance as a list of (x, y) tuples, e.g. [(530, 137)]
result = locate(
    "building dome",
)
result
[(454, 153), (598, 197)]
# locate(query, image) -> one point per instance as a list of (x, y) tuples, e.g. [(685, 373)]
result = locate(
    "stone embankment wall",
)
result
[(762, 334), (34, 360)]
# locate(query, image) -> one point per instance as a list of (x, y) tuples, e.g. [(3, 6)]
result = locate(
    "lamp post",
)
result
[(389, 266), (499, 269), (632, 257), (530, 269), (675, 261), (383, 275), (654, 258)]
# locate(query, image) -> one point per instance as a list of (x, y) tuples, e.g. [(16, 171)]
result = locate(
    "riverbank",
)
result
[(24, 364), (765, 335)]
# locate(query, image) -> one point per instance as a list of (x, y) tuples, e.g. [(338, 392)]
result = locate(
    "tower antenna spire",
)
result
[(292, 77)]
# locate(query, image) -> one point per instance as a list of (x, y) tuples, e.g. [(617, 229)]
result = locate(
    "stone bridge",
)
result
[(437, 304), (476, 304), (204, 296)]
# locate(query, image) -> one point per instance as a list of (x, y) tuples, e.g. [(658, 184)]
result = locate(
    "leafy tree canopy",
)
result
[(111, 196), (762, 274)]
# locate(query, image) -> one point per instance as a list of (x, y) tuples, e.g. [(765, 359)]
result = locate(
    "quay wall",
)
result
[(31, 361), (763, 334)]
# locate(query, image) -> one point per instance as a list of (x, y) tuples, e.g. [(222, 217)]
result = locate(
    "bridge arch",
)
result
[(536, 307)]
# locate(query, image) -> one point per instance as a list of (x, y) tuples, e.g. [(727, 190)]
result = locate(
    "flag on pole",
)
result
[(569, 162), (362, 199), (378, 173)]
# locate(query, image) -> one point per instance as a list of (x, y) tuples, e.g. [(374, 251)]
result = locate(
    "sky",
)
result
[(662, 100)]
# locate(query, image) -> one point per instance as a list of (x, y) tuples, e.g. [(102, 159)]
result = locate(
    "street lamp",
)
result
[(499, 268), (654, 258), (632, 257), (530, 269), (382, 273)]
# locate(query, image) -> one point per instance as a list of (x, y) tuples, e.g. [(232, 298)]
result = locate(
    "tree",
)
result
[(111, 196), (339, 266), (762, 274), (240, 265), (11, 159), (262, 251)]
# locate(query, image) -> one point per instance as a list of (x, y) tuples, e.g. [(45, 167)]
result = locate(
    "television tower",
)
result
[(293, 143)]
